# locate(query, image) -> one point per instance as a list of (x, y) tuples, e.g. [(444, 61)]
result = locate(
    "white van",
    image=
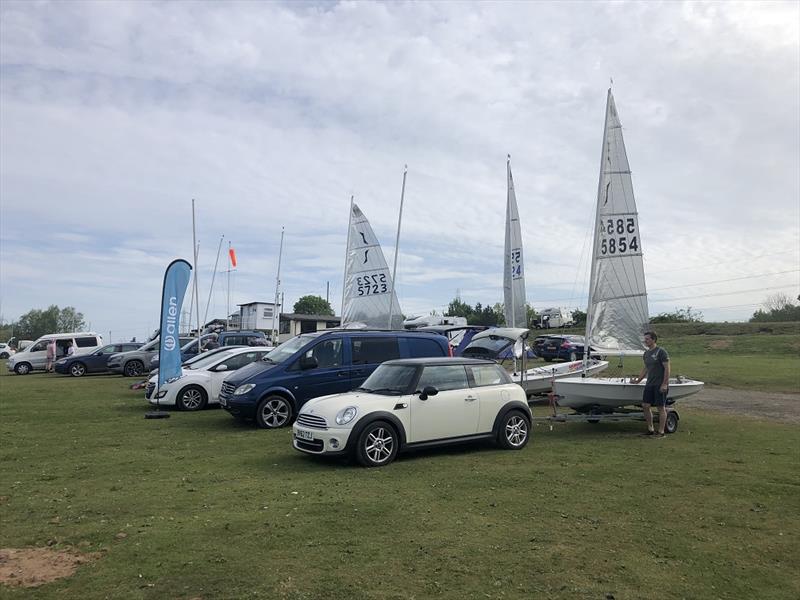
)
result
[(34, 357)]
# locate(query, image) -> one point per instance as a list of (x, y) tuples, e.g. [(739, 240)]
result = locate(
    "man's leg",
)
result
[(662, 419), (648, 417)]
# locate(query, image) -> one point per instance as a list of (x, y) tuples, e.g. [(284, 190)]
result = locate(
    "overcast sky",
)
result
[(114, 115)]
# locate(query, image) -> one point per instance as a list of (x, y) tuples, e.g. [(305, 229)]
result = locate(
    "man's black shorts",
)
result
[(654, 396)]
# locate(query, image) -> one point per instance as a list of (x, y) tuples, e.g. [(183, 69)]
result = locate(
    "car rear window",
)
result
[(483, 375), (373, 350), (86, 342), (422, 348)]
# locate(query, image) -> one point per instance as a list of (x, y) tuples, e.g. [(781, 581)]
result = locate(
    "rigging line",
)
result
[(726, 280), (779, 287)]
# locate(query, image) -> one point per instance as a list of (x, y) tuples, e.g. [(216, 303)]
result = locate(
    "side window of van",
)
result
[(40, 347), (327, 353), (86, 342), (374, 350), (422, 348)]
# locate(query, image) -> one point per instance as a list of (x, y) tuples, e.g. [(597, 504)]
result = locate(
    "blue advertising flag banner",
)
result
[(176, 280)]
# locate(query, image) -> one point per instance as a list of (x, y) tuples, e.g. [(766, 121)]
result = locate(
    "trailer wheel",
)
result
[(671, 426)]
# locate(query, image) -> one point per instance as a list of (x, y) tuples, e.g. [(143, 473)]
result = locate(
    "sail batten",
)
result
[(368, 290), (617, 313), (514, 277)]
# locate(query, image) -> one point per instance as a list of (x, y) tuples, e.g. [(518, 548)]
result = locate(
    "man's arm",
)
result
[(665, 383), (641, 375)]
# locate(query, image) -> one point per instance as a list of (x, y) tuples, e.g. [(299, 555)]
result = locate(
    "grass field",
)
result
[(197, 506)]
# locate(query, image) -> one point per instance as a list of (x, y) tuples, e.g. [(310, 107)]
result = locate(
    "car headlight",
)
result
[(243, 389), (344, 416)]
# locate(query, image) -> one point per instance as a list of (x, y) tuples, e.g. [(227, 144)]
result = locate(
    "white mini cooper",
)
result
[(413, 403)]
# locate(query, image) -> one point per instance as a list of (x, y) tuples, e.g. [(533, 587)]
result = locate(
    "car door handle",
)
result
[(470, 399), (343, 374)]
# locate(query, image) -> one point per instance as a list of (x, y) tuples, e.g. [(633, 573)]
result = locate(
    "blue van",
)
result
[(272, 390)]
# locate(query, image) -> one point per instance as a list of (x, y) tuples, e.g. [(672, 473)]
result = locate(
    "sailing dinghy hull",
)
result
[(539, 380), (584, 393)]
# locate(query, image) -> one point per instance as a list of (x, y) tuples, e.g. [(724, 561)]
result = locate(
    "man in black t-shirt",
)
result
[(656, 367)]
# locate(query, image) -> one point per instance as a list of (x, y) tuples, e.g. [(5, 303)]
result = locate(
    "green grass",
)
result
[(213, 509)]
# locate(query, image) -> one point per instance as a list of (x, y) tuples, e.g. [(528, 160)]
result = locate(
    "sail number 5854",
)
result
[(619, 236)]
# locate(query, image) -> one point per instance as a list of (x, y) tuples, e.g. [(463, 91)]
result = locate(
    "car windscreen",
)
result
[(287, 349), (390, 380)]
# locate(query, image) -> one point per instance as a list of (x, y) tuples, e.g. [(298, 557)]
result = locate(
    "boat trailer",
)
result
[(597, 415)]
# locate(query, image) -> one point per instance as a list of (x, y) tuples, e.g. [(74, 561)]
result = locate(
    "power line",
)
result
[(779, 287), (725, 280)]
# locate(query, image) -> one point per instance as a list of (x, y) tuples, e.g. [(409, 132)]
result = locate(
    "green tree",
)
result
[(457, 308), (499, 310), (36, 323), (579, 318), (531, 314), (679, 315), (777, 307), (312, 305)]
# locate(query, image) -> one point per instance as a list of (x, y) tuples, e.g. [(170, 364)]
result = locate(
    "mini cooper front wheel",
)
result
[(377, 445), (514, 431)]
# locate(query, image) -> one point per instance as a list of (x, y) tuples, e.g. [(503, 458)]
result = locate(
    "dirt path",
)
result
[(765, 405)]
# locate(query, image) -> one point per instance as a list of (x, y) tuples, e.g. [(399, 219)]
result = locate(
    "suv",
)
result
[(132, 363), (242, 338), (272, 390), (417, 403)]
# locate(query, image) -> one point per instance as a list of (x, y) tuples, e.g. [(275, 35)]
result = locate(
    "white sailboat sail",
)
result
[(368, 289), (514, 278), (617, 315)]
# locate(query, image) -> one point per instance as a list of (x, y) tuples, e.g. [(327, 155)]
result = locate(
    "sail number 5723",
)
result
[(368, 285), (619, 236)]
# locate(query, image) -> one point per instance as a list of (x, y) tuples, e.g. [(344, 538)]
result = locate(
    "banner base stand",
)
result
[(156, 414)]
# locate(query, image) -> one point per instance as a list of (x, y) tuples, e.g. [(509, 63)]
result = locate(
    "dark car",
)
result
[(272, 390), (96, 362), (565, 347)]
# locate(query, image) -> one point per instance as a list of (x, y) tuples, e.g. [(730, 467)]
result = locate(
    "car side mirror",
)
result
[(428, 391), (308, 362), (219, 368)]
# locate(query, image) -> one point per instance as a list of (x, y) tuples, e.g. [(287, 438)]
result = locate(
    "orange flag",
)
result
[(232, 254)]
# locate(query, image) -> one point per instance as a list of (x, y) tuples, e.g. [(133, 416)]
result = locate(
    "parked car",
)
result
[(565, 347), (416, 403), (317, 364), (197, 357), (34, 356), (96, 362), (132, 363), (226, 338), (200, 382), (5, 350)]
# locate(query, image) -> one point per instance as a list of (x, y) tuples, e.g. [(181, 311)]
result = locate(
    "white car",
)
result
[(412, 403), (200, 382)]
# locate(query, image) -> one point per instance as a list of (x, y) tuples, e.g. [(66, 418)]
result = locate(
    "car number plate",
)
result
[(304, 435)]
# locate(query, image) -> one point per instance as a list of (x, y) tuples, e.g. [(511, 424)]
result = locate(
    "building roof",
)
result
[(250, 303), (299, 317)]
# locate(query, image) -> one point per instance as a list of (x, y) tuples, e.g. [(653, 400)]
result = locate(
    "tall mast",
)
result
[(588, 336), (213, 277), (508, 226), (277, 292), (228, 301), (346, 256), (196, 271), (397, 246)]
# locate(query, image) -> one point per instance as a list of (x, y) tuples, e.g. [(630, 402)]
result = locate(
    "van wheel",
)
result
[(273, 412), (134, 368), (22, 369), (192, 397)]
